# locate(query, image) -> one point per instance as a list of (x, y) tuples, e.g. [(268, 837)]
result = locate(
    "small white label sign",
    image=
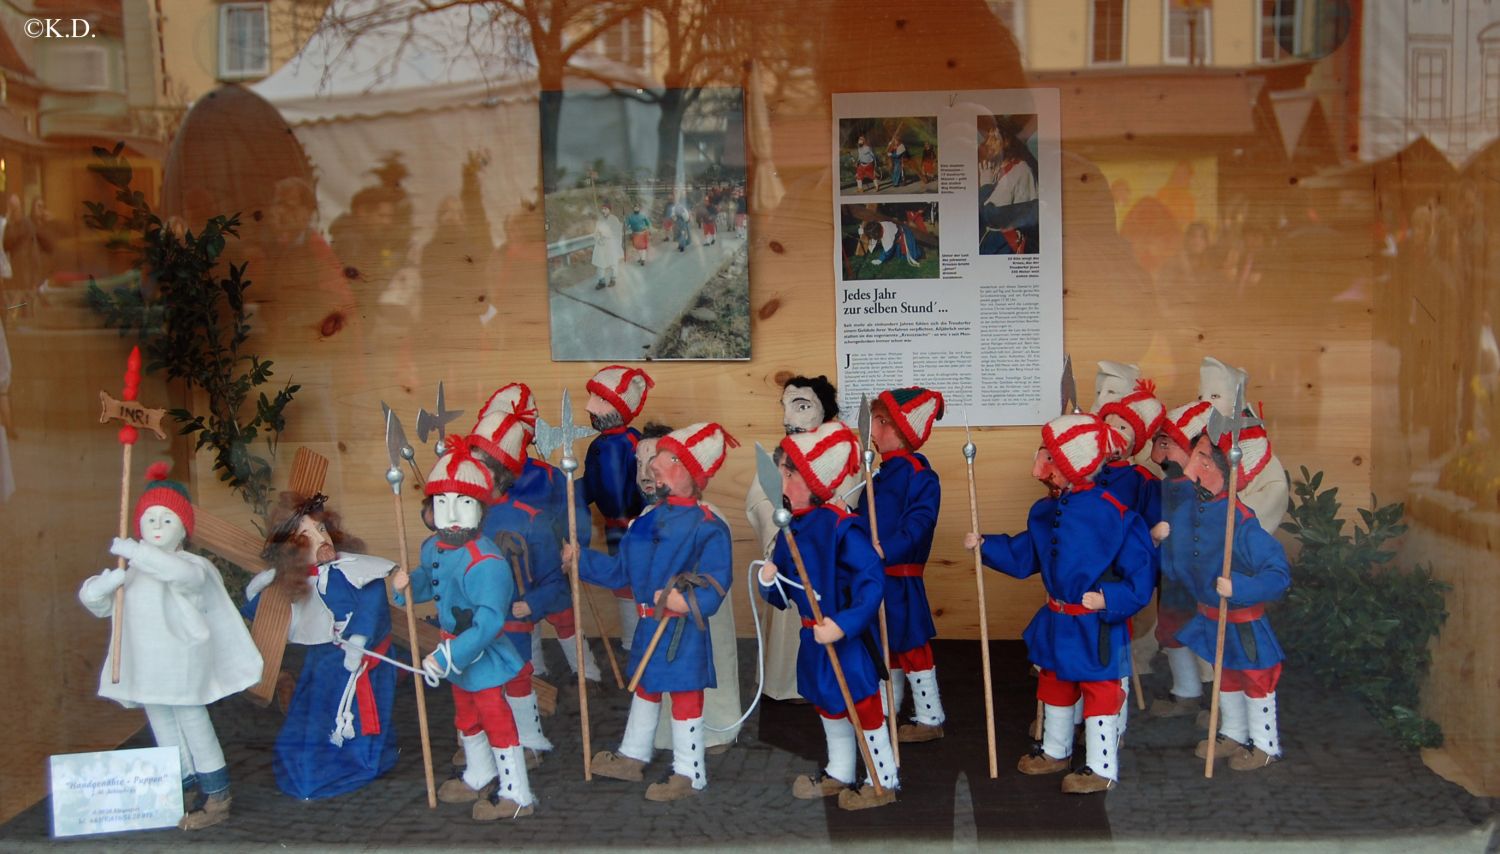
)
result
[(115, 790)]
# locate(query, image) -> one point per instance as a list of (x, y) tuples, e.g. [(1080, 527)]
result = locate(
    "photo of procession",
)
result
[(889, 240), (647, 225), (894, 155), (1008, 206)]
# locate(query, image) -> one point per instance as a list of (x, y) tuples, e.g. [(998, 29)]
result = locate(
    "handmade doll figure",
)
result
[(1176, 604), (182, 643), (542, 486), (1248, 736), (1263, 485), (1097, 564), (638, 226), (616, 396), (907, 496), (338, 735), (849, 578), (864, 165), (1112, 382), (677, 560), (806, 404), (1135, 417), (532, 550), (464, 574)]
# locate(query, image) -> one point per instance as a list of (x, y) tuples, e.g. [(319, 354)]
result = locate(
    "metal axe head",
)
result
[(395, 441), (1069, 388), (564, 435), (429, 421), (769, 475), (1219, 424)]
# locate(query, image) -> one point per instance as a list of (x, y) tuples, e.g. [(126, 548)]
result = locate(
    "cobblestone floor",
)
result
[(1344, 784)]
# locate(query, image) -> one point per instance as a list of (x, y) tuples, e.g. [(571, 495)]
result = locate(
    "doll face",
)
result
[(801, 411), (456, 511), (645, 452), (1202, 469), (883, 430), (1216, 384), (319, 543), (1109, 388), (1045, 469), (602, 415), (794, 487), (672, 477), (1121, 426), (1164, 450), (162, 528)]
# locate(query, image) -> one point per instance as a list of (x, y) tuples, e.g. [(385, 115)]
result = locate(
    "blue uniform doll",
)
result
[(616, 396)]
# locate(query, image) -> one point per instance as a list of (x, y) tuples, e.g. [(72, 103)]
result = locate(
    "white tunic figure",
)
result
[(183, 645)]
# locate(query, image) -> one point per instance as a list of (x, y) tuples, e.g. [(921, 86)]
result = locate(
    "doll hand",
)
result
[(431, 667), (125, 548), (520, 609), (260, 582), (569, 554), (972, 541), (1225, 587), (110, 580), (767, 573), (827, 632), (1093, 600), (400, 580), (352, 656), (675, 601), (1160, 532)]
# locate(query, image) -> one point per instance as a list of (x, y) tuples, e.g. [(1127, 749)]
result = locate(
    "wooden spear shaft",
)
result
[(583, 689), (1213, 704), (118, 624), (833, 658), (885, 641), (984, 625), (640, 669), (416, 658), (609, 649)]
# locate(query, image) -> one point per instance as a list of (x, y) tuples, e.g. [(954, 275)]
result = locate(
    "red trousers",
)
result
[(871, 713), (1099, 698), (485, 711), (686, 705)]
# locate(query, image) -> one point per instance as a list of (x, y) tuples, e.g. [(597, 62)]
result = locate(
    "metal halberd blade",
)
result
[(395, 436), (1068, 388), (1219, 424), (429, 421), (864, 422), (564, 435), (769, 475)]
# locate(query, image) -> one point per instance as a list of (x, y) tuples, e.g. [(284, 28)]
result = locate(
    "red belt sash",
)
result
[(808, 624), (1068, 608), (617, 523), (648, 611), (519, 626), (1236, 615), (906, 570), (364, 692)]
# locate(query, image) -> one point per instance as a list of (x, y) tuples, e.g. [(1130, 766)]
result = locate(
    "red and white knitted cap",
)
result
[(1217, 378), (1141, 410), (1113, 382), (161, 492), (623, 388), (1079, 444), (1255, 453), (701, 447), (914, 410), (502, 436), (514, 398), (1186, 423), (458, 471), (825, 457)]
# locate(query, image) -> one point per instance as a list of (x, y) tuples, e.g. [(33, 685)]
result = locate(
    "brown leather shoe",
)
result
[(1038, 762), (1086, 782), (493, 809), (673, 788), (615, 766), (215, 810), (1173, 706), (1225, 748), (865, 798), (455, 791), (460, 759), (817, 786), (914, 732), (1251, 759)]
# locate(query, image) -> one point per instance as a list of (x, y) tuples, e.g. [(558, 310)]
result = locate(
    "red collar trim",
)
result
[(681, 501), (615, 431), (805, 510), (444, 547), (312, 570)]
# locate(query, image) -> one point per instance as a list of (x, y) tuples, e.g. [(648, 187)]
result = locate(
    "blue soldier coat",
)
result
[(546, 588), (609, 474), (907, 495), (1083, 540), (849, 577), (473, 588), (544, 487), (1135, 485), (679, 535), (1193, 555)]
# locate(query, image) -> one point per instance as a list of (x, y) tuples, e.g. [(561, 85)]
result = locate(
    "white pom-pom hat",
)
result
[(502, 436), (825, 457), (1184, 424), (1079, 445), (914, 410), (458, 471), (513, 398), (1141, 410), (700, 447), (623, 388)]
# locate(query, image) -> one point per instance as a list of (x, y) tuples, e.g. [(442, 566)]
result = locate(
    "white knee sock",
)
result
[(1057, 731), (538, 659), (1262, 723), (1183, 663), (198, 735), (480, 768), (1233, 716), (1101, 745), (528, 721), (640, 729), (927, 705), (841, 749), (629, 617), (1078, 712), (879, 740), (688, 758), (514, 785), (898, 685), (570, 652)]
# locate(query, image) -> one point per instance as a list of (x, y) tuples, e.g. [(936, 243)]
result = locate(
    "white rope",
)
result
[(432, 681), (760, 650), (343, 718)]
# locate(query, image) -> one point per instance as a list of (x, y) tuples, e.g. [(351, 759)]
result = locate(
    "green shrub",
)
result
[(1354, 621)]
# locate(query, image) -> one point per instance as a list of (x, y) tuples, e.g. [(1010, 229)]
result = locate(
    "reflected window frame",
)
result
[(1120, 17), (1199, 49), (228, 11)]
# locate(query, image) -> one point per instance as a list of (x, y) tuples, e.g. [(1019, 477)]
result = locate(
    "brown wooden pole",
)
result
[(416, 659), (984, 629), (609, 649), (885, 640), (117, 625), (833, 658), (1213, 705), (583, 688), (640, 669)]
